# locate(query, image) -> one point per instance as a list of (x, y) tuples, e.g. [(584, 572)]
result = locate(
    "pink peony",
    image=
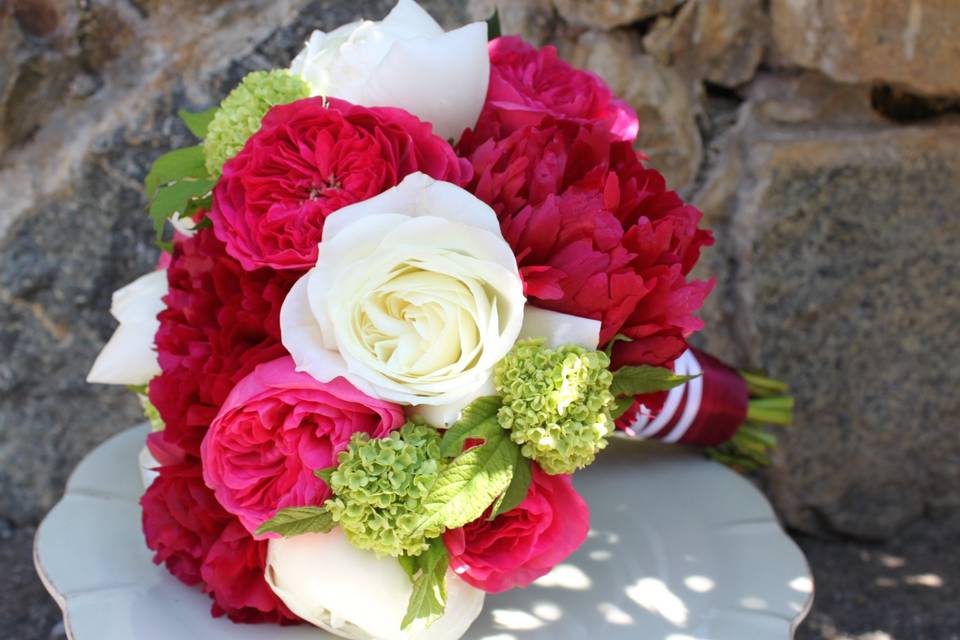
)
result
[(521, 545), (596, 234), (308, 159), (275, 429), (527, 85)]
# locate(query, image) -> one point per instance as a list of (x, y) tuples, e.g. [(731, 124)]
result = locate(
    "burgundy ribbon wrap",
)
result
[(703, 412)]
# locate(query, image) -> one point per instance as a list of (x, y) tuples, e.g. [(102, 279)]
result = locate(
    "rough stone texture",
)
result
[(910, 42), (607, 15), (837, 270), (666, 101), (721, 41), (834, 198)]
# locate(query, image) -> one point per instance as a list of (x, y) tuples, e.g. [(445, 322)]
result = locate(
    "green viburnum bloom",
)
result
[(241, 112), (379, 487), (556, 403)]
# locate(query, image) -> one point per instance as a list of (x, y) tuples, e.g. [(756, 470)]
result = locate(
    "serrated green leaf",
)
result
[(478, 420), (173, 166), (470, 483), (493, 25), (409, 564), (198, 121), (518, 489), (295, 521), (324, 474), (630, 381), (620, 406), (429, 596), (181, 197)]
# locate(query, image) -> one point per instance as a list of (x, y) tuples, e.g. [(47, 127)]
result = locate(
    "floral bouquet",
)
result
[(415, 282)]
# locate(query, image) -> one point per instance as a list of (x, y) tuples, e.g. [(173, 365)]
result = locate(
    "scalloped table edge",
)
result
[(139, 431)]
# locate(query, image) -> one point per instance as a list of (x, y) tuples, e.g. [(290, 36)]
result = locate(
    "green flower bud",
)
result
[(556, 403), (379, 488), (241, 112)]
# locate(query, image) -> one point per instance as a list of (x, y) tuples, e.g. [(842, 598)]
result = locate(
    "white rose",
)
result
[(353, 593), (128, 357), (415, 292), (407, 61)]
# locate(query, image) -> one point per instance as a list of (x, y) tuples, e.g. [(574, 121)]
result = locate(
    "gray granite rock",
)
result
[(837, 267)]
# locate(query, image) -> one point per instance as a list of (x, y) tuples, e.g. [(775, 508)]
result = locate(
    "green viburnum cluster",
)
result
[(556, 403), (241, 112), (379, 488)]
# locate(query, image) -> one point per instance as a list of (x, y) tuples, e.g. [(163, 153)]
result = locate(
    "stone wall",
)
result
[(820, 139)]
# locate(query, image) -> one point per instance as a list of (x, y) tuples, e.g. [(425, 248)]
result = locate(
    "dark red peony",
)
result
[(527, 85), (201, 544), (220, 323), (596, 233), (309, 159), (521, 545)]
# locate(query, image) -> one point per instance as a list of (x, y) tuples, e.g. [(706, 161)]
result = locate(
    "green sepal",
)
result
[(493, 25), (295, 521), (477, 421), (614, 340), (428, 573), (631, 381), (198, 121), (517, 491), (324, 474)]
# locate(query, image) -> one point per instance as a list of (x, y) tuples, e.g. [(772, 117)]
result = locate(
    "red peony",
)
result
[(596, 234), (527, 85), (275, 429), (220, 323), (200, 543), (521, 545), (309, 159)]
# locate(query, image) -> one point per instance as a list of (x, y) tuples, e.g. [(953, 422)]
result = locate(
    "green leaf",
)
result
[(630, 381), (198, 121), (181, 197), (493, 25), (517, 491), (298, 520), (620, 406), (175, 165), (470, 483), (429, 596), (478, 420), (409, 564), (324, 474), (614, 340)]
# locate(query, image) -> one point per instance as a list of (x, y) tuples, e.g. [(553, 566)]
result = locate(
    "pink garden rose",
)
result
[(527, 85), (275, 429), (308, 159), (521, 545)]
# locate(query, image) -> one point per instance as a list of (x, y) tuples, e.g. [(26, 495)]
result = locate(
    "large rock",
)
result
[(913, 43), (721, 41), (666, 101), (837, 271), (607, 14), (534, 20)]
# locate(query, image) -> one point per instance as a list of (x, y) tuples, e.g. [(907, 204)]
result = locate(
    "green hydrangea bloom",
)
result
[(379, 487), (241, 112), (556, 403)]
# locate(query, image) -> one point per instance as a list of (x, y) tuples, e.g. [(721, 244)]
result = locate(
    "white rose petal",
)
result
[(353, 593), (129, 357), (407, 61), (415, 291), (148, 467)]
